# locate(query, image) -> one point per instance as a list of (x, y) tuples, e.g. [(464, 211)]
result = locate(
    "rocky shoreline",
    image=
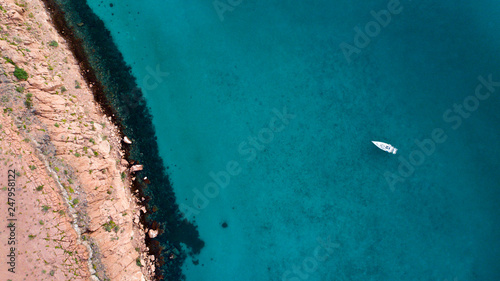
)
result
[(80, 153)]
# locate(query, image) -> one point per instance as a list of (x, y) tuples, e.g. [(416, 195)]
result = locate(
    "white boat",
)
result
[(385, 147)]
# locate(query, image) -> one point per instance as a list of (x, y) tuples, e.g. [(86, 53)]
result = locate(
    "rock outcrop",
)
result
[(127, 140), (80, 147), (136, 168)]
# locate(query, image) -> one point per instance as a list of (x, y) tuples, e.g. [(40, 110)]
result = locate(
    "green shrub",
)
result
[(22, 4), (111, 225), (20, 89), (39, 188), (9, 60), (29, 101), (53, 43), (20, 74)]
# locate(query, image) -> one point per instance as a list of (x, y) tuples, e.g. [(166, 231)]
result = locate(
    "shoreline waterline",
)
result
[(60, 24), (139, 187)]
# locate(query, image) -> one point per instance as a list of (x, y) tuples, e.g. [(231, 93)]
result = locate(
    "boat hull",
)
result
[(385, 147)]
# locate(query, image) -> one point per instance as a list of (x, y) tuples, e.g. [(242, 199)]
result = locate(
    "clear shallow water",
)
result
[(319, 178)]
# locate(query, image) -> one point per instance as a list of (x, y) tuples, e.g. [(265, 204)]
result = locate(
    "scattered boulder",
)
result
[(127, 140), (16, 16), (104, 148), (175, 251), (136, 168), (152, 233)]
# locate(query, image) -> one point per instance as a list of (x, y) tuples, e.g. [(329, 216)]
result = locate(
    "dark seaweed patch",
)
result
[(116, 90)]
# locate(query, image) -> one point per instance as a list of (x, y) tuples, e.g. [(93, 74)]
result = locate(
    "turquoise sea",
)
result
[(264, 113)]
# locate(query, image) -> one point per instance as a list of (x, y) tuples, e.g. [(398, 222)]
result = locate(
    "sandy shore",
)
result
[(75, 216)]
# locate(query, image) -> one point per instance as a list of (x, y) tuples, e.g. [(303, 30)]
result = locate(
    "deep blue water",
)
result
[(306, 196)]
